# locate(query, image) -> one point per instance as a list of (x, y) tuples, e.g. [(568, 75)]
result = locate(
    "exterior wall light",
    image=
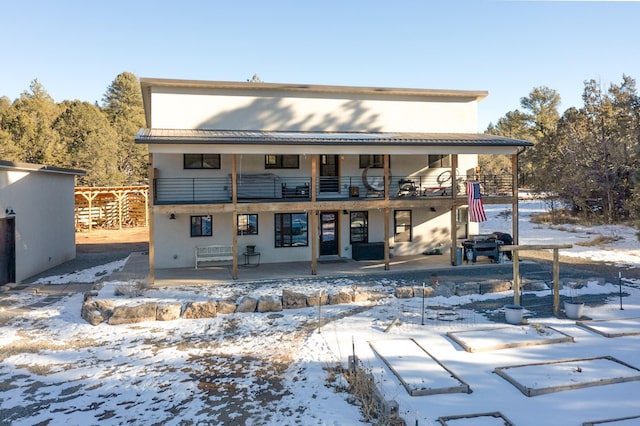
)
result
[(9, 211), (172, 216)]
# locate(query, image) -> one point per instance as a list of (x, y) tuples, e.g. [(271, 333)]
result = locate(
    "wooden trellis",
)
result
[(111, 206)]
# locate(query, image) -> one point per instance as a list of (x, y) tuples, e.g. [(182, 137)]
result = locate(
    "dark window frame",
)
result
[(281, 161), (353, 216), (283, 230), (248, 231), (199, 226), (397, 223), (201, 161)]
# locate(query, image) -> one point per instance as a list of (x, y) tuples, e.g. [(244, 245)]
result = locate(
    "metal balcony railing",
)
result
[(269, 187)]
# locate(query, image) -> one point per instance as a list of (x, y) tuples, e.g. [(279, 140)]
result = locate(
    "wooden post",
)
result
[(515, 250), (150, 198), (556, 282), (386, 213), (454, 209), (514, 204), (234, 219), (313, 222), (516, 277)]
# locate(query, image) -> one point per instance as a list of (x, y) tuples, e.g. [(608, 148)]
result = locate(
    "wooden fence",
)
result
[(113, 207)]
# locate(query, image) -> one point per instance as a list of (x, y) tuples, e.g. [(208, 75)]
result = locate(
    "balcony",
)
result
[(266, 187)]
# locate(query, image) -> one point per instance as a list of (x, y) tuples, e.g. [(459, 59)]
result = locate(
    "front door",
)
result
[(328, 233), (7, 251), (329, 173)]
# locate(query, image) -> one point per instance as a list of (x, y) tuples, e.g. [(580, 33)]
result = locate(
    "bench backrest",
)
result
[(213, 250)]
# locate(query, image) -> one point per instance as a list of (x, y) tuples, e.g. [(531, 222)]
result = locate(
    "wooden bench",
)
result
[(213, 253)]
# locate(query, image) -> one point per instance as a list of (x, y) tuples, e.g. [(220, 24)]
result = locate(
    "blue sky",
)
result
[(75, 48)]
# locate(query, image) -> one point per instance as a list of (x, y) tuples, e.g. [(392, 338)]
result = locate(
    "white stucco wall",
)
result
[(223, 110), (45, 231)]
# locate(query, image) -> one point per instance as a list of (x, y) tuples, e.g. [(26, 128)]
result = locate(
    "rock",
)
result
[(168, 311), (427, 290), (535, 286), (361, 296), (319, 298), (404, 292), (293, 300), (199, 310), (495, 286), (247, 304), (446, 289), (466, 289), (226, 307), (96, 311), (340, 298), (133, 314), (269, 304)]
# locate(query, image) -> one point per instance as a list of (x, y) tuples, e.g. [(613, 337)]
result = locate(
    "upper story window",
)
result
[(272, 161), (201, 161), (439, 160), (373, 161)]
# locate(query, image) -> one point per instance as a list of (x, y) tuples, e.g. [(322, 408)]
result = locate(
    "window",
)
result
[(402, 225), (373, 161), (201, 226), (272, 161), (291, 230), (359, 223), (247, 224), (201, 161), (439, 160)]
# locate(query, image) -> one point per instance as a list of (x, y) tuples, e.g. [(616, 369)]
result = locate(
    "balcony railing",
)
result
[(273, 188)]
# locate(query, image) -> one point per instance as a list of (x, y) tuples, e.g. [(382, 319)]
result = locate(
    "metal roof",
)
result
[(30, 167), (255, 137)]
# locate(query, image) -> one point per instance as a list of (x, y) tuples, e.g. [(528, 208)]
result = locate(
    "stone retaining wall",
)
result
[(96, 311)]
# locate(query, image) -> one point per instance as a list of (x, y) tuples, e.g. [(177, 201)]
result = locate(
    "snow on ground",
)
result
[(279, 368)]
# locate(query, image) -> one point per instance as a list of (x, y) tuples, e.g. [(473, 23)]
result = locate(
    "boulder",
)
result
[(444, 288), (168, 311), (495, 286), (293, 300), (404, 292), (426, 291), (247, 304), (226, 307), (133, 314), (199, 310), (340, 298), (269, 304), (96, 311), (360, 296), (319, 298), (465, 289)]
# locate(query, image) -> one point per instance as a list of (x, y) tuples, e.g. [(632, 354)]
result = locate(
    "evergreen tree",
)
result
[(123, 105)]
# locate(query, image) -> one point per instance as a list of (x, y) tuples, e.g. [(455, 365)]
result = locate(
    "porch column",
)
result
[(386, 212), (454, 208), (514, 204), (152, 250), (234, 218), (313, 222)]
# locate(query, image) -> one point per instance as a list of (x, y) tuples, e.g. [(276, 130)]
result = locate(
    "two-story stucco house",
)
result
[(303, 172)]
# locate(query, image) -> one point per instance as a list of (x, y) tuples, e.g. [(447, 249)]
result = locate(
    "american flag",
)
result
[(476, 209)]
